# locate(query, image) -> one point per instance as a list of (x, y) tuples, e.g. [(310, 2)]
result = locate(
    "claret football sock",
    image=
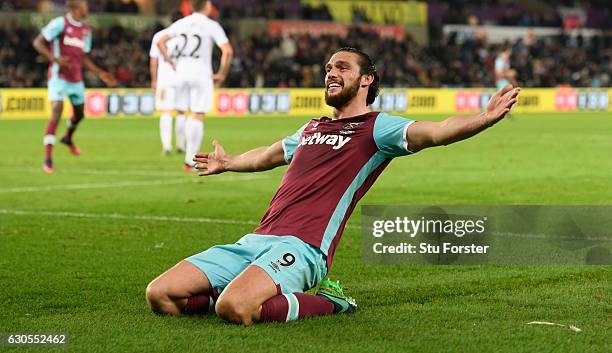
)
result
[(287, 307), (165, 131), (199, 305)]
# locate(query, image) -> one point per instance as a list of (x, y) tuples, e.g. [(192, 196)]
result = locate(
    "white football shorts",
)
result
[(165, 97), (195, 96)]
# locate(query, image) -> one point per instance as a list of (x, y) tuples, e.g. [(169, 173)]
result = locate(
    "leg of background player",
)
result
[(253, 296), (77, 115), (183, 289), (194, 132), (165, 131), (179, 130), (49, 140)]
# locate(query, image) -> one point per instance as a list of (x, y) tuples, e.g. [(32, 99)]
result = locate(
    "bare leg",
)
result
[(198, 116), (57, 108), (241, 300), (77, 116), (169, 292), (49, 140)]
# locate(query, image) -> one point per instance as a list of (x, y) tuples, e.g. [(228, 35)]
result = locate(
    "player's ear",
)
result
[(367, 80)]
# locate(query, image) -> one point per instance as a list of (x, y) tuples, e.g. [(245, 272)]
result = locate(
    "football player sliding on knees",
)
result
[(332, 162)]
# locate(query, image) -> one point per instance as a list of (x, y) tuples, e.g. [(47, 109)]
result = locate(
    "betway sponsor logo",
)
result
[(318, 139), (74, 42)]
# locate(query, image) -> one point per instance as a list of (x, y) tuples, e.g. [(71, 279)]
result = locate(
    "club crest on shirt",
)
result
[(350, 126), (348, 129)]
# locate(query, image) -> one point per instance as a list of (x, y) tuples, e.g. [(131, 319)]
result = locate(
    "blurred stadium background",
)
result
[(79, 246), (282, 44)]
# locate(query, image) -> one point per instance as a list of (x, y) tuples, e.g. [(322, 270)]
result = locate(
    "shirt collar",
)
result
[(73, 21)]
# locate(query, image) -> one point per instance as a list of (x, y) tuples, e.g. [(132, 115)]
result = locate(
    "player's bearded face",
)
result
[(339, 99)]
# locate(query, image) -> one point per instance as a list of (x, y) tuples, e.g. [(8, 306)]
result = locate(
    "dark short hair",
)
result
[(366, 67), (198, 5)]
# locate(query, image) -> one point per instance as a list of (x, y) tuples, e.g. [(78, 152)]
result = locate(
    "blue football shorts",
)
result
[(293, 265), (58, 89), (502, 83)]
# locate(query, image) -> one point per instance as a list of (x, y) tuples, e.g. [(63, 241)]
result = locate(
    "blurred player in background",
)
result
[(191, 58), (164, 86), (504, 75), (70, 41), (332, 164)]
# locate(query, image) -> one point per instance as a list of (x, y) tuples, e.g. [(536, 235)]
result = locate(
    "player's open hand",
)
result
[(208, 163), (108, 79), (218, 79), (501, 103)]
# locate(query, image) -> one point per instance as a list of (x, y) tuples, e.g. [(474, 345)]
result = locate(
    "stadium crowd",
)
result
[(122, 51), (296, 61), (108, 6)]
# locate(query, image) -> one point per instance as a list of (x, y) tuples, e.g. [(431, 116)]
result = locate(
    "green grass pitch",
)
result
[(78, 247)]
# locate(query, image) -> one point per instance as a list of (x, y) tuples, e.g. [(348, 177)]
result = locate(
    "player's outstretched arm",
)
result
[(105, 76), (424, 134), (255, 160)]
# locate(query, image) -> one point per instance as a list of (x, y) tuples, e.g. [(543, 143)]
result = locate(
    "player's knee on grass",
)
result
[(234, 309), (158, 299)]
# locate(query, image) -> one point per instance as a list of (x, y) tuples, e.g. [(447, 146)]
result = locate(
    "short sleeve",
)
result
[(154, 51), (218, 35), (88, 42), (499, 64), (53, 29), (390, 135), (290, 143)]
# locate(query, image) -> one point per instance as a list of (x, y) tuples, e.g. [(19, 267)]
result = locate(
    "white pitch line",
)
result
[(119, 184), (120, 172), (126, 217), (137, 172), (133, 217)]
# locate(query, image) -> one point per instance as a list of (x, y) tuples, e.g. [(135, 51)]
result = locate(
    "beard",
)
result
[(342, 98)]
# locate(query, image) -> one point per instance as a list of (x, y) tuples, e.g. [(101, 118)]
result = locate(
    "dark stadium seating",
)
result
[(295, 61)]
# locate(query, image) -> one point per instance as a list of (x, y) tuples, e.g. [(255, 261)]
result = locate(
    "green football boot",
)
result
[(333, 293)]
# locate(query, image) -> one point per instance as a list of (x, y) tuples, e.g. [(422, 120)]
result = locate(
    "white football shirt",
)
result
[(192, 48), (165, 73)]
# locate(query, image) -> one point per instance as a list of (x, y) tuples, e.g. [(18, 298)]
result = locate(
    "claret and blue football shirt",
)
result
[(332, 164)]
